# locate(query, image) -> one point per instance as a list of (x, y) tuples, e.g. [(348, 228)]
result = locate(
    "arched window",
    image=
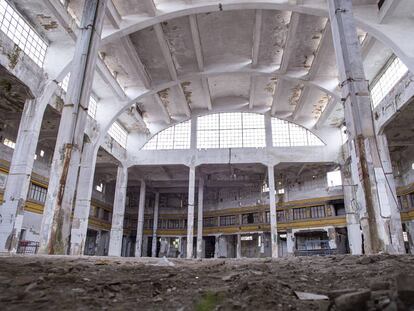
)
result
[(231, 130), (287, 134), (174, 137)]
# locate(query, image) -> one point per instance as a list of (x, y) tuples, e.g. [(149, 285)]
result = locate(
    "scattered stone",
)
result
[(310, 296), (365, 260), (378, 285), (405, 289), (353, 301), (339, 292)]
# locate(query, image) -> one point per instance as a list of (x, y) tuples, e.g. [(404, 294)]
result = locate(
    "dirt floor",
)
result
[(381, 282)]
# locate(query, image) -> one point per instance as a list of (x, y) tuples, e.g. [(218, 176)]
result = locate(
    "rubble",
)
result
[(69, 283)]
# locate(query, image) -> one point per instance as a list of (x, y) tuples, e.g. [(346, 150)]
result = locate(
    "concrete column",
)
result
[(268, 130), (238, 246), (155, 225), (272, 203), (193, 137), (409, 225), (118, 212), (83, 200), (140, 223), (351, 210), (18, 180), (217, 246), (200, 218), (290, 243), (375, 212), (190, 212), (55, 228)]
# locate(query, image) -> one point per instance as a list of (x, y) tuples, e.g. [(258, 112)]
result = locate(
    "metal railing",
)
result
[(314, 247), (27, 247)]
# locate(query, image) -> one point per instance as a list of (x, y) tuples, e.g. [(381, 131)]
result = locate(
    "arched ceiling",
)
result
[(179, 58), (257, 60)]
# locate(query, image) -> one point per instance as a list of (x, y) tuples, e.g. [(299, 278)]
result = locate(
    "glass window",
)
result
[(174, 137), (287, 134), (228, 220), (334, 178), (21, 33), (387, 79), (9, 143), (231, 130), (119, 134)]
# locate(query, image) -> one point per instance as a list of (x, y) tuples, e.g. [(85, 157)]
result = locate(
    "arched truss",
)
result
[(365, 19), (233, 130)]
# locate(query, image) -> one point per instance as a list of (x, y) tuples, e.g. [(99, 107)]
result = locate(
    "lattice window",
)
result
[(231, 130), (119, 134), (287, 134), (21, 33), (9, 143), (175, 137), (387, 79)]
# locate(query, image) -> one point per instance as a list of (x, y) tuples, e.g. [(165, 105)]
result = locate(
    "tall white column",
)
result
[(83, 200), (155, 225), (190, 212), (18, 180), (351, 210), (376, 214), (268, 130), (118, 212), (238, 246), (200, 218), (56, 222), (272, 203), (140, 223)]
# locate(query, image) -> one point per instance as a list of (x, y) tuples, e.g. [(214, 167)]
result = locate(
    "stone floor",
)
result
[(381, 282)]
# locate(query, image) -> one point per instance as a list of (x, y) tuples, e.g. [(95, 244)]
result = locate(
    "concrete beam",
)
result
[(113, 15), (166, 52), (323, 48)]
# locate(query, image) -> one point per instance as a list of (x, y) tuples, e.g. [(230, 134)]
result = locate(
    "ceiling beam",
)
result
[(287, 53), (207, 94), (166, 52), (113, 15), (255, 54), (256, 37), (151, 8), (320, 56), (326, 113), (109, 79), (141, 72), (195, 34), (133, 112)]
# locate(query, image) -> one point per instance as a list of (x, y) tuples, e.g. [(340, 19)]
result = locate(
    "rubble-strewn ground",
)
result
[(382, 282)]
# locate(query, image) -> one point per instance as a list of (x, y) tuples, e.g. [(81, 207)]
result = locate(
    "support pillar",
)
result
[(381, 233), (200, 218), (83, 200), (155, 225), (351, 210), (190, 212), (272, 203), (238, 246), (140, 222), (18, 180), (56, 222), (118, 212)]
